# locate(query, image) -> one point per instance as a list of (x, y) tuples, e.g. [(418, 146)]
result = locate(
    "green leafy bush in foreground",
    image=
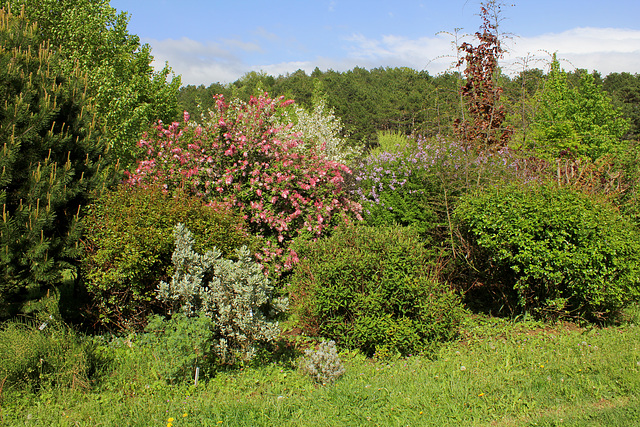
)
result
[(129, 242), (373, 289), (176, 347), (550, 251)]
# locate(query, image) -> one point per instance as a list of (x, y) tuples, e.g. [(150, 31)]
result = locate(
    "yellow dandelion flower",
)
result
[(481, 394), (170, 420), (184, 415)]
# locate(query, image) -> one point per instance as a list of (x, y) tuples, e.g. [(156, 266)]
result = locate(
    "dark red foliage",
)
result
[(483, 128)]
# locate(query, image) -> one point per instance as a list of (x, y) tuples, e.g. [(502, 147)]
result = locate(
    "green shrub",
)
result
[(373, 289), (550, 250), (129, 242), (176, 347), (392, 142), (168, 351)]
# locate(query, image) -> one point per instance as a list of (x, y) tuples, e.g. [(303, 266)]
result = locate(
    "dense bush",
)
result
[(129, 241), (550, 250), (373, 289)]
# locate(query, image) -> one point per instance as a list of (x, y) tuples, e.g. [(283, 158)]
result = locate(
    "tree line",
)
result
[(407, 101)]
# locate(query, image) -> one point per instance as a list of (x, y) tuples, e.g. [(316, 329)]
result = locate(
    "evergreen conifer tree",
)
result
[(52, 160)]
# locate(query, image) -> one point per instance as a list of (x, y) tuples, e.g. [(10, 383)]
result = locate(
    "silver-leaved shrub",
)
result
[(236, 295), (324, 364)]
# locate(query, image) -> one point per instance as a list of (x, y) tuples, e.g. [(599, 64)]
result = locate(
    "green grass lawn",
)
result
[(501, 373)]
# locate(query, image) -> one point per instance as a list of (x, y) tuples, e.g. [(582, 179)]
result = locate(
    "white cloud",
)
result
[(603, 49), (200, 63)]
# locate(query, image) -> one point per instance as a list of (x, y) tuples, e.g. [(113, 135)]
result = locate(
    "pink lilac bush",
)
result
[(242, 158)]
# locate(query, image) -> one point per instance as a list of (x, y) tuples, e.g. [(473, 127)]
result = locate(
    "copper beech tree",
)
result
[(483, 128)]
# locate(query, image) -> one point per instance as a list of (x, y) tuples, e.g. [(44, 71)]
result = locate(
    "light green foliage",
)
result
[(236, 295), (93, 36), (178, 346), (373, 289), (549, 251), (324, 364), (392, 142), (41, 354), (504, 372), (575, 121)]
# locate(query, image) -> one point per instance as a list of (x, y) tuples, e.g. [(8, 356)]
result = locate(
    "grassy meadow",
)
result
[(500, 373)]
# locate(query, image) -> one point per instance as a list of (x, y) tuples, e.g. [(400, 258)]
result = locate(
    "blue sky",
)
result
[(220, 41)]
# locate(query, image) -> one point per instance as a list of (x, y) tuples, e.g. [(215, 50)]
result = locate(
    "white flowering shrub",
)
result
[(323, 365), (236, 295), (320, 131)]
